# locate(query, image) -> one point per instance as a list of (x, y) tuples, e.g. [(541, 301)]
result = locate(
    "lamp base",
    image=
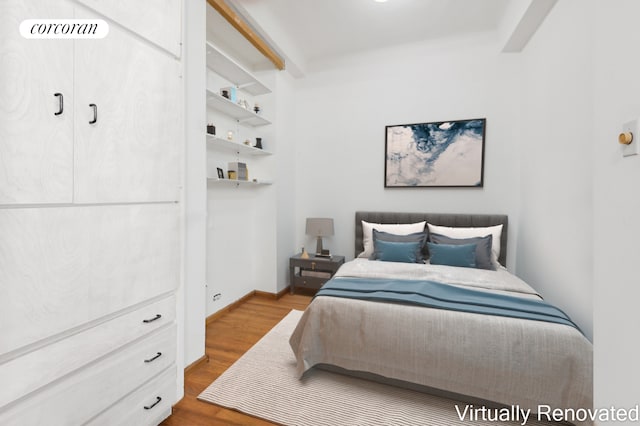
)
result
[(320, 252)]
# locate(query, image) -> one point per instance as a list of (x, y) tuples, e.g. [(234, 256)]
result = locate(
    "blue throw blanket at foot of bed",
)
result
[(443, 296)]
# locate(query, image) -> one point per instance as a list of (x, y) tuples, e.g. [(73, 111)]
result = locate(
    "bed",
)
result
[(472, 356)]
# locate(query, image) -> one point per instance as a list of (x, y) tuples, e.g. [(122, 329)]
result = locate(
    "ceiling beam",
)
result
[(527, 24), (243, 28)]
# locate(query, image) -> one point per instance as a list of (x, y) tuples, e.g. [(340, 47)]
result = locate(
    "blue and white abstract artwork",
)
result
[(447, 154)]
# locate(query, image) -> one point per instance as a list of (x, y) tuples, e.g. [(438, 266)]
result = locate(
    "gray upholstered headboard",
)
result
[(445, 219)]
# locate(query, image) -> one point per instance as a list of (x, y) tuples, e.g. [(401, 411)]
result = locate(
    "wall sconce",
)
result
[(628, 139), (320, 227), (625, 138)]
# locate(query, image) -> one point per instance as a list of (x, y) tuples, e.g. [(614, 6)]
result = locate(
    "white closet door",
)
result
[(36, 146), (156, 20), (132, 152), (63, 267)]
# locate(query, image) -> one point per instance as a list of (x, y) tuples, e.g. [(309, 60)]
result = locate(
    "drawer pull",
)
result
[(157, 317), (149, 407), (60, 103), (95, 113), (158, 355)]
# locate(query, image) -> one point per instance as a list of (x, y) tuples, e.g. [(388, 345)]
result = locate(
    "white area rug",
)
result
[(263, 383)]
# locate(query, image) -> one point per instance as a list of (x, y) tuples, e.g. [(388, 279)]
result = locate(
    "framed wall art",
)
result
[(438, 154)]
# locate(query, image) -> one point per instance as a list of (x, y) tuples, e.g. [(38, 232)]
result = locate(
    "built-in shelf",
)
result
[(223, 64), (235, 182), (226, 67), (240, 148), (234, 110)]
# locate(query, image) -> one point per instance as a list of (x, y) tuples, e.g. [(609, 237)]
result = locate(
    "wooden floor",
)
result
[(227, 339)]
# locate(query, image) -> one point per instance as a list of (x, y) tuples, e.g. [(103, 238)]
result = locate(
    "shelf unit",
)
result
[(236, 147), (237, 182), (222, 64), (227, 68), (243, 115)]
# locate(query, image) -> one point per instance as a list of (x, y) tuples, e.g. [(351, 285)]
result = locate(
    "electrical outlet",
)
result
[(217, 297)]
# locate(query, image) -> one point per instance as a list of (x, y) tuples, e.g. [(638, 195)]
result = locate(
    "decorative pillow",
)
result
[(392, 228), (389, 251), (453, 255), (483, 248), (495, 231), (417, 237)]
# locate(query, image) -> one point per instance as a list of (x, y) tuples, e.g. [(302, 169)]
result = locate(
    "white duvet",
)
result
[(510, 361)]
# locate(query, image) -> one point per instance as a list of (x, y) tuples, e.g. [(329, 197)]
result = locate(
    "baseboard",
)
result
[(269, 295), (204, 358), (230, 307)]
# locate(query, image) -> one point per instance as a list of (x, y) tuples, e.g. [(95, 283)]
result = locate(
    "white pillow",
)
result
[(450, 232), (391, 228)]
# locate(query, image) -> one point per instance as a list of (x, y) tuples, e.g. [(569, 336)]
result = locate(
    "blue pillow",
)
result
[(453, 255), (390, 251), (483, 247), (417, 237)]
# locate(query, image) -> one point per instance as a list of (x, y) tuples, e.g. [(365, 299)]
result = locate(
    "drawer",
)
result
[(309, 282), (23, 375), (148, 405), (92, 389)]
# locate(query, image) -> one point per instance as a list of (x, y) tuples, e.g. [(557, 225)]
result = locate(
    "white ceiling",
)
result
[(324, 28), (306, 31)]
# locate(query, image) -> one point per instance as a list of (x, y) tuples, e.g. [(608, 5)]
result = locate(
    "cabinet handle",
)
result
[(95, 113), (157, 317), (60, 103), (158, 355), (149, 407)]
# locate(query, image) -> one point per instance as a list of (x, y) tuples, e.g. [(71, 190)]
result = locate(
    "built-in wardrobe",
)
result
[(91, 152)]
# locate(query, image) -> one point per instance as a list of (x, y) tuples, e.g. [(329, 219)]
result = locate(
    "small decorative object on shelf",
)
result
[(256, 109), (304, 254), (211, 129), (240, 170), (220, 173), (230, 135), (232, 175), (247, 142), (231, 93), (258, 143)]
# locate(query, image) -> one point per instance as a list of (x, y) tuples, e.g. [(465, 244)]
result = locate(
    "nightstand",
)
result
[(312, 272)]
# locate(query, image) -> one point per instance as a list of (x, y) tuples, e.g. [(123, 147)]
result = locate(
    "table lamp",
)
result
[(320, 227)]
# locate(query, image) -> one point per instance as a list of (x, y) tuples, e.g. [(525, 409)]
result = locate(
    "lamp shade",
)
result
[(319, 226)]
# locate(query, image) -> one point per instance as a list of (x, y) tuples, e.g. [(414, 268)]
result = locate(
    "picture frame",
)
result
[(220, 173), (443, 154)]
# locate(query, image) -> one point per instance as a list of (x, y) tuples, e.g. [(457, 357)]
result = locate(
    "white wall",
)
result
[(250, 229), (341, 112), (584, 195), (285, 177), (195, 181), (242, 221), (554, 251), (616, 205)]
